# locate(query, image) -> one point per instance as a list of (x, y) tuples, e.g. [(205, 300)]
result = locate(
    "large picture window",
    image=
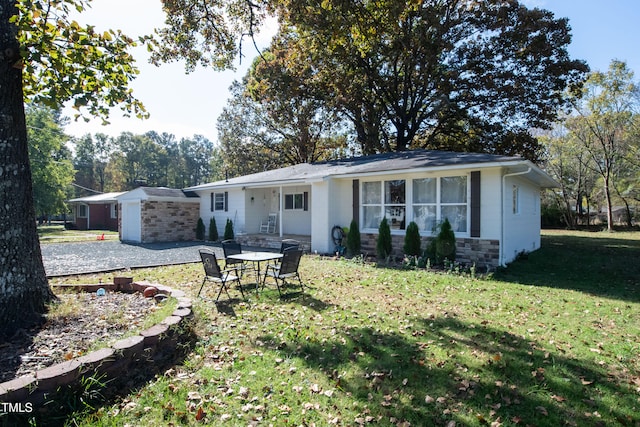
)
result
[(426, 201), (384, 199)]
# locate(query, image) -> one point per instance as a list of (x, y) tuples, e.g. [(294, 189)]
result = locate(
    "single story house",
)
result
[(158, 214), (492, 201), (97, 212)]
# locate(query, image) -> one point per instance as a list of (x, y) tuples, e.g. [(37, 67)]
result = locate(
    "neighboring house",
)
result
[(98, 212), (492, 202), (158, 214)]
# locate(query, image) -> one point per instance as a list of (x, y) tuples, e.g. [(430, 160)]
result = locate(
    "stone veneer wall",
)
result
[(481, 252), (169, 221)]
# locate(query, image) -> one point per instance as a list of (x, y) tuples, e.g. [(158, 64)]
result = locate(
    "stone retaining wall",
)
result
[(112, 361), (484, 253)]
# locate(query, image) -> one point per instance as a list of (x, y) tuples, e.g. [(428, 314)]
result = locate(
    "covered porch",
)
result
[(272, 241)]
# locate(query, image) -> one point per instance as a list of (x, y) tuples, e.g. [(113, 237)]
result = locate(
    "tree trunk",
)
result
[(607, 194), (24, 290)]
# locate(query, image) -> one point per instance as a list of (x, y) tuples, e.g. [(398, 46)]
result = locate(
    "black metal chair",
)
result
[(289, 244), (286, 270), (212, 273), (231, 247)]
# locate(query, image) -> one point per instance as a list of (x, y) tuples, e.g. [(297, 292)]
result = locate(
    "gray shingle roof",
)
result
[(385, 162), (167, 192)]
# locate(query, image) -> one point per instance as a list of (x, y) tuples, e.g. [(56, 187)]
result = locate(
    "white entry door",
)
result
[(131, 222)]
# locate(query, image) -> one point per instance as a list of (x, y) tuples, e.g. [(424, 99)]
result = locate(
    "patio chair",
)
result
[(286, 270), (212, 273), (269, 225), (231, 247), (289, 244)]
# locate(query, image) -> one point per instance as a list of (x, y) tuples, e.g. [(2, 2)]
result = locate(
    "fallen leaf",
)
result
[(558, 398), (542, 410), (200, 415)]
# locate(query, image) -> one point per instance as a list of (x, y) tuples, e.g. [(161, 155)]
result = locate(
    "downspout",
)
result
[(502, 231)]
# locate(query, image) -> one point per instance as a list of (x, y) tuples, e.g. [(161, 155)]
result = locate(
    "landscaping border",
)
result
[(109, 362)]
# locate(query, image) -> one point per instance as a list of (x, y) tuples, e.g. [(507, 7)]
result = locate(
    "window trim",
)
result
[(81, 207), (215, 202), (409, 203), (295, 199)]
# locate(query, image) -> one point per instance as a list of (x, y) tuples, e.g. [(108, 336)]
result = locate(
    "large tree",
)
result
[(431, 68), (46, 58), (52, 172), (604, 124)]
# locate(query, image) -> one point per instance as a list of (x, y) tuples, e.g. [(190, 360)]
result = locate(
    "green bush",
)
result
[(200, 230), (354, 245), (383, 244), (213, 230), (443, 246), (228, 230), (412, 240)]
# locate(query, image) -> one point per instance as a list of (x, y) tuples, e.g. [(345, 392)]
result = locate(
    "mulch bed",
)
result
[(61, 339)]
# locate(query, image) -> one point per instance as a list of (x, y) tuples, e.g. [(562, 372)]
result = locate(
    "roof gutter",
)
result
[(502, 191)]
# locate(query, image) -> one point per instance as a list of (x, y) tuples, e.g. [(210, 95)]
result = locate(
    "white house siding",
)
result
[(235, 211), (521, 229), (490, 206), (259, 202), (297, 221)]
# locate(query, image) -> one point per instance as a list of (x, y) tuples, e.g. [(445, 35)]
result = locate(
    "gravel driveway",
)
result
[(61, 259)]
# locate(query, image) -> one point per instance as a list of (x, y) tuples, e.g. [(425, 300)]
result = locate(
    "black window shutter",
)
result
[(475, 204), (212, 202), (226, 201), (356, 201), (305, 200)]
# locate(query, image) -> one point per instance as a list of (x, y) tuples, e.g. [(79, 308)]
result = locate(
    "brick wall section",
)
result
[(169, 221), (484, 253)]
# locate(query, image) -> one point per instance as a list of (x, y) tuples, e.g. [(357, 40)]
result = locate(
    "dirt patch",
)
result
[(92, 319)]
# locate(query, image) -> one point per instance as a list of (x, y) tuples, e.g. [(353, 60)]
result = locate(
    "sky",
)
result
[(189, 104)]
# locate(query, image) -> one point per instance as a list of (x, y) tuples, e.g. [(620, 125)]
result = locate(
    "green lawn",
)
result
[(552, 340), (58, 234)]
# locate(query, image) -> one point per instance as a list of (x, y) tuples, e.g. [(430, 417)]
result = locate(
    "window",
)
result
[(218, 202), (430, 201), (388, 200), (453, 202), (82, 211), (114, 210), (294, 201), (425, 203), (515, 202)]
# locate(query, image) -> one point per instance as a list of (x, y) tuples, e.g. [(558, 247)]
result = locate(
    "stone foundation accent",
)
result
[(169, 221), (481, 252)]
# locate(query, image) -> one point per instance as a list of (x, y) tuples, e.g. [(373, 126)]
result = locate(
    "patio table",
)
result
[(256, 258)]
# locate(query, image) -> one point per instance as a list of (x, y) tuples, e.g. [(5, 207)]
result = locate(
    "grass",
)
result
[(59, 234), (551, 340)]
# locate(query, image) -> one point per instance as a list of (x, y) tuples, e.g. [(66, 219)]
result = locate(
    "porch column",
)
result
[(280, 209)]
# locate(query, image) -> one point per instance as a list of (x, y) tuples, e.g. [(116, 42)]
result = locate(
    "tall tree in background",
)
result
[(62, 60), (604, 125), (53, 172), (92, 156)]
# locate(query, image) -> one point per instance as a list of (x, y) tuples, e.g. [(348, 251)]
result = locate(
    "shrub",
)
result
[(213, 230), (383, 244), (228, 230), (200, 229), (353, 239), (412, 240), (443, 246)]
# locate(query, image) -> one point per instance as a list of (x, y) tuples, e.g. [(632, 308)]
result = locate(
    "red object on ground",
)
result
[(150, 291)]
